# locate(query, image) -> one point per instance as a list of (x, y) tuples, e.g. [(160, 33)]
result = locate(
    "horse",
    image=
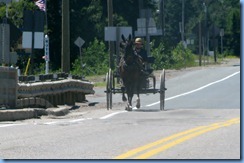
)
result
[(130, 72)]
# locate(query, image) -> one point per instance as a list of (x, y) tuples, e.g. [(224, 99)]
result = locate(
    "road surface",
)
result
[(201, 121)]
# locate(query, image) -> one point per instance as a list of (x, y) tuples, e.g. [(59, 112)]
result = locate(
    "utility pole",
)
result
[(183, 30), (205, 31), (65, 37), (200, 42), (110, 23), (163, 17), (183, 21), (141, 5), (147, 32)]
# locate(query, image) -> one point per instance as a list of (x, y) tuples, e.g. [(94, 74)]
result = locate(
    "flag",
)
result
[(41, 4)]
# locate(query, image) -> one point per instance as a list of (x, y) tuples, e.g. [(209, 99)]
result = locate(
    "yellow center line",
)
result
[(189, 135)]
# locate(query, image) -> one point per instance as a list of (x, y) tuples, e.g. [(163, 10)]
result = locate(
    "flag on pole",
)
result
[(41, 4)]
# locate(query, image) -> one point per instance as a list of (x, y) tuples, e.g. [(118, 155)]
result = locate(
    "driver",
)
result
[(139, 50)]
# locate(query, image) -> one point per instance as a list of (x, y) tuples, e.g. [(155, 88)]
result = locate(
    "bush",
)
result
[(163, 58), (94, 60), (182, 57), (166, 58)]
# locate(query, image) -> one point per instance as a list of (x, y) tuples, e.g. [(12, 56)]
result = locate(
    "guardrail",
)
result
[(41, 91), (66, 91), (48, 77)]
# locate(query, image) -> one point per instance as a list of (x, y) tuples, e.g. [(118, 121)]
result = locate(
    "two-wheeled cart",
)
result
[(148, 86)]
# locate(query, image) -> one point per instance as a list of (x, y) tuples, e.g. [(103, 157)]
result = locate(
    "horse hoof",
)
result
[(124, 99), (138, 104), (129, 108)]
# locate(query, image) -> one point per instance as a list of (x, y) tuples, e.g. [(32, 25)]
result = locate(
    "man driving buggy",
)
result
[(142, 53)]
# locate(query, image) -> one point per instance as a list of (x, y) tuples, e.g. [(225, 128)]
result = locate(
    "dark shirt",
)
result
[(142, 53)]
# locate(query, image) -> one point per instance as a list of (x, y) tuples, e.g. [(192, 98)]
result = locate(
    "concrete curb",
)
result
[(22, 114), (58, 111)]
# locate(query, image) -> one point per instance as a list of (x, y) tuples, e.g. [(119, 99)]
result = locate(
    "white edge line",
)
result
[(112, 114), (77, 120), (198, 89), (9, 125), (49, 123)]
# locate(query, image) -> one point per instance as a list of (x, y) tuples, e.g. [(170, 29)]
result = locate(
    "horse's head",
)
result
[(127, 45)]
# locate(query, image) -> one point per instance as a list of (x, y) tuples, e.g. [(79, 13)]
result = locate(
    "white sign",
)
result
[(38, 40), (211, 53), (221, 33), (142, 27), (27, 40), (6, 1), (141, 23), (79, 42), (111, 32)]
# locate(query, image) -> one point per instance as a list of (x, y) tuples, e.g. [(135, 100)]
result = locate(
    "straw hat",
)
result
[(138, 41)]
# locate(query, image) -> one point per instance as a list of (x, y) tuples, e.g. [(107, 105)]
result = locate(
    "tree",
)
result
[(89, 17)]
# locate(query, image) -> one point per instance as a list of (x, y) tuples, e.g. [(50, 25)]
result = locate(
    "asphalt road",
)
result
[(201, 121)]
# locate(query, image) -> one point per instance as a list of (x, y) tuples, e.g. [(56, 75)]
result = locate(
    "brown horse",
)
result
[(130, 72)]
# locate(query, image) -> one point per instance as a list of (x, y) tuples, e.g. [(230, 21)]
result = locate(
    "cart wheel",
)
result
[(111, 86), (107, 91), (162, 90)]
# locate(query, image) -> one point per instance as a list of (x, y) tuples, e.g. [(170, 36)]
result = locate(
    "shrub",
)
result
[(182, 57), (163, 58), (94, 60)]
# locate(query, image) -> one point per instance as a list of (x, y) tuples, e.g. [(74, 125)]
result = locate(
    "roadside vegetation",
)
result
[(89, 17)]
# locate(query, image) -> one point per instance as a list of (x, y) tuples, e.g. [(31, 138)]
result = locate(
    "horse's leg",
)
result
[(138, 102), (130, 95), (123, 93), (128, 106)]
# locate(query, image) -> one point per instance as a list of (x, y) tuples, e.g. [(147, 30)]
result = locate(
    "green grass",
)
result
[(99, 84)]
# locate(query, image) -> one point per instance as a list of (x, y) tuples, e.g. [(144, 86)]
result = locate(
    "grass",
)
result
[(99, 80)]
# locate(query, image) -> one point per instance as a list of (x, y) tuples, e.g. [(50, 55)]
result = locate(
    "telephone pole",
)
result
[(65, 37), (110, 24), (183, 21)]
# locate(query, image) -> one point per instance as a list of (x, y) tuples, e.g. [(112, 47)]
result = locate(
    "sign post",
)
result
[(79, 42), (47, 53), (221, 35)]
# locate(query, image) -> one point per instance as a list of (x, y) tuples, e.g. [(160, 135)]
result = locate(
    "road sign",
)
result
[(38, 40), (79, 42), (6, 1), (111, 32), (142, 27), (221, 33), (27, 40)]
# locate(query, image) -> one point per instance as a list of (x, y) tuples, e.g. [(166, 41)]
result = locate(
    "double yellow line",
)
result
[(156, 147)]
